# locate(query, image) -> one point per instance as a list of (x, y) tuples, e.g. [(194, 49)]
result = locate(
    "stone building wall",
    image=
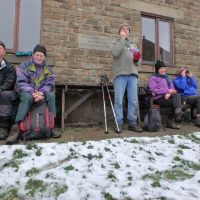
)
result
[(78, 34)]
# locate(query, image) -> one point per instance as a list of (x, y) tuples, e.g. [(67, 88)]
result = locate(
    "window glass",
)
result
[(164, 41), (29, 24), (148, 39), (7, 13), (157, 37)]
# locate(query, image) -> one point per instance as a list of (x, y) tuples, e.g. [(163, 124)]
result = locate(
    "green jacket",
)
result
[(123, 63)]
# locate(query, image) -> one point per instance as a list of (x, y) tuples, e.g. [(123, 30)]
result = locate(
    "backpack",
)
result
[(152, 120), (38, 122)]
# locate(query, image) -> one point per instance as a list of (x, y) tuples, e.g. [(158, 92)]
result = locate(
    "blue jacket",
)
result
[(186, 86)]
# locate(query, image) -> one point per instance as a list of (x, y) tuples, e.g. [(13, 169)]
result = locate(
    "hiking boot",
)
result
[(172, 125), (135, 128), (197, 121), (14, 135), (55, 134), (178, 114), (120, 129), (3, 133)]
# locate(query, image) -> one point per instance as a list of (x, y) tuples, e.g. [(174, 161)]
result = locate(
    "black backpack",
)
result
[(38, 123), (152, 120)]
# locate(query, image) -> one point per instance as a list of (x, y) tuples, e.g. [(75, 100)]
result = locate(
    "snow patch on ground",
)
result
[(129, 168)]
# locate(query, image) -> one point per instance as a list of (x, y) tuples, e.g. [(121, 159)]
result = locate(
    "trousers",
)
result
[(121, 84), (26, 101)]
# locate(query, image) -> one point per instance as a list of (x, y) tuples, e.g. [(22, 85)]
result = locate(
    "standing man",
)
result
[(187, 86), (35, 82), (7, 94), (125, 58)]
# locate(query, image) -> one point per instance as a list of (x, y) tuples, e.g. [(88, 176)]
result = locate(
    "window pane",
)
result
[(7, 16), (164, 41), (148, 39), (29, 24)]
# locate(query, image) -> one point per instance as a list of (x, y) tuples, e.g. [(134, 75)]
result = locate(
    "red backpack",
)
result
[(38, 123)]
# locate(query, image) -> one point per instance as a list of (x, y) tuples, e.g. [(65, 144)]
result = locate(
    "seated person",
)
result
[(7, 94), (35, 82), (164, 93), (187, 86)]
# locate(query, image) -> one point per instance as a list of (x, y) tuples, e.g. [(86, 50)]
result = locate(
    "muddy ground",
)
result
[(97, 133)]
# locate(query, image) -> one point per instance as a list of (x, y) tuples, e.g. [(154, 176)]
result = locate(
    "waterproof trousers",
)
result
[(26, 101)]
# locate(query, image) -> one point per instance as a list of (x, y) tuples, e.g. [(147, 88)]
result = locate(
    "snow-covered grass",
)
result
[(130, 168)]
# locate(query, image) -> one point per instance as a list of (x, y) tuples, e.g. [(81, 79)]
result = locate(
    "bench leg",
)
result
[(63, 110), (138, 114)]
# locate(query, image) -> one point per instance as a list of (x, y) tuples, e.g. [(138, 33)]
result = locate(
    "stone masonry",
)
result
[(78, 34)]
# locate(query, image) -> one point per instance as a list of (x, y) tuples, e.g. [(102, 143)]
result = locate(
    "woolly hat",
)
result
[(124, 24), (159, 64), (2, 44), (180, 70), (40, 48)]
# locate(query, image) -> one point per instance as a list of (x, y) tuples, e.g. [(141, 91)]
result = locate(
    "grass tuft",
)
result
[(18, 153), (33, 186), (32, 171), (10, 194), (69, 168)]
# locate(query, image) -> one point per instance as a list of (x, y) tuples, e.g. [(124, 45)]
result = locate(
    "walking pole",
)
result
[(118, 131), (104, 109)]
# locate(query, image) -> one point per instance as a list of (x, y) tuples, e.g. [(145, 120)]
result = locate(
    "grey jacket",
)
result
[(123, 63)]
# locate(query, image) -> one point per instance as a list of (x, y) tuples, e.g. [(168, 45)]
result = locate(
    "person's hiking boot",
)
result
[(14, 135), (171, 124), (119, 130), (187, 115), (135, 128), (55, 134), (178, 114), (3, 133), (197, 121)]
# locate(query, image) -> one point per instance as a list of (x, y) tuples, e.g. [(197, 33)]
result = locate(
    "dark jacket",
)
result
[(7, 76)]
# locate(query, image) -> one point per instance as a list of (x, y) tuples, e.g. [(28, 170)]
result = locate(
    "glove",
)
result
[(136, 56)]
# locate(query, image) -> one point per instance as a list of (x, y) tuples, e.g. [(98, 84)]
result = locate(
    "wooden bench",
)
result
[(65, 87), (90, 90)]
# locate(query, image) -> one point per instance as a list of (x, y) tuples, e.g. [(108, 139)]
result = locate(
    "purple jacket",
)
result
[(32, 77), (158, 86)]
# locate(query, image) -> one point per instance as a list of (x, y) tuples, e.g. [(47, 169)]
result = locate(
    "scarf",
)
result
[(127, 43), (166, 77)]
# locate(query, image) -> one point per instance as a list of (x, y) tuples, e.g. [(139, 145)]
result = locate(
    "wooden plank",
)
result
[(61, 85), (78, 103)]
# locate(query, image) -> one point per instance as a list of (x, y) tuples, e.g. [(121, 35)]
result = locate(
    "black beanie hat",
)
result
[(2, 44), (40, 48), (158, 65)]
